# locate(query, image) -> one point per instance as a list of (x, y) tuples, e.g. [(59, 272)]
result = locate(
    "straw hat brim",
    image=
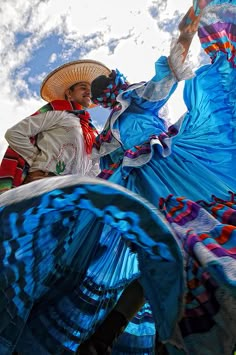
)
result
[(59, 80)]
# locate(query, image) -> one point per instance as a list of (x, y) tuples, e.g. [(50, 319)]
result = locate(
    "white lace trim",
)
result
[(181, 70), (164, 114), (154, 91), (218, 13), (204, 223), (39, 187), (208, 259)]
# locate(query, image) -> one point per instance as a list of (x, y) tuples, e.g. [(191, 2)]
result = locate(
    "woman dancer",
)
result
[(194, 158)]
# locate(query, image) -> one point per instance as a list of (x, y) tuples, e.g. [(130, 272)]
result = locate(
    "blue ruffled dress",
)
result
[(70, 245)]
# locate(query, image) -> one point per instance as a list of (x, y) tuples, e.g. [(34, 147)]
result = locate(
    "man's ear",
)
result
[(68, 94)]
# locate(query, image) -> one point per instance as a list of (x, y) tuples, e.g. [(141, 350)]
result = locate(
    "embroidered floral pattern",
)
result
[(60, 167)]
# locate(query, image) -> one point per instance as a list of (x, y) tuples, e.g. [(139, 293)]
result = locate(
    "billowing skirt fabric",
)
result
[(65, 259)]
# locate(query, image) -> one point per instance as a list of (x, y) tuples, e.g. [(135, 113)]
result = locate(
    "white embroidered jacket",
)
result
[(59, 148)]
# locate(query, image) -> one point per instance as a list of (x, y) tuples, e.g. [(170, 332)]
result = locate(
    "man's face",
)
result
[(81, 93)]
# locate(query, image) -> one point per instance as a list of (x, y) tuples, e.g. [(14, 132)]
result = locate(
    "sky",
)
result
[(37, 36)]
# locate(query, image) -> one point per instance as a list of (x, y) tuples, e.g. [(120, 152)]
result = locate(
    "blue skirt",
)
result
[(66, 257)]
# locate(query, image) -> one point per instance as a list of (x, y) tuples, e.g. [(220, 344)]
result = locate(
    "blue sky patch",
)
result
[(20, 37)]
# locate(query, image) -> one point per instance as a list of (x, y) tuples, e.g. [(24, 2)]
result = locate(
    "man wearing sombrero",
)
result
[(58, 138)]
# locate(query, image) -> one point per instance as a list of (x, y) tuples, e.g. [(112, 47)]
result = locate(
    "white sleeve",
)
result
[(95, 169), (18, 136), (181, 69)]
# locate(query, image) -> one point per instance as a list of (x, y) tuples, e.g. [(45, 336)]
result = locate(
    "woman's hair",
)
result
[(105, 89), (99, 85)]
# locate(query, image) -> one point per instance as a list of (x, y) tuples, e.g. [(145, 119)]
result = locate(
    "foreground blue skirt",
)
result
[(57, 274)]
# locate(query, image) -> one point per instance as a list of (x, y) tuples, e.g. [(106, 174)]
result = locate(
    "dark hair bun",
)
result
[(98, 85)]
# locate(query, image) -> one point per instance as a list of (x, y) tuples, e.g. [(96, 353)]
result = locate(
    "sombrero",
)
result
[(62, 78)]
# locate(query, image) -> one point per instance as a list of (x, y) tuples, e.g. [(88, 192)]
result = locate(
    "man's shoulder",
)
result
[(60, 105), (55, 105)]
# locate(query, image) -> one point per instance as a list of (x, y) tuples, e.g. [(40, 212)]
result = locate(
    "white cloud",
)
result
[(53, 58)]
